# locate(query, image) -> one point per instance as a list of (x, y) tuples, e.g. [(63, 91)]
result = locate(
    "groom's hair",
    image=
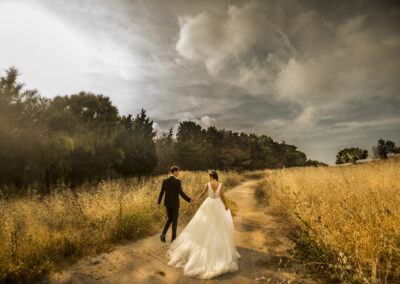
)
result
[(174, 169)]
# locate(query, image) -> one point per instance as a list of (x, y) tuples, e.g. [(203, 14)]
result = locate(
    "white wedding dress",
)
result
[(206, 248)]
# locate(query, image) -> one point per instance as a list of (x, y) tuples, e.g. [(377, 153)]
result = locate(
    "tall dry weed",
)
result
[(349, 217), (39, 233)]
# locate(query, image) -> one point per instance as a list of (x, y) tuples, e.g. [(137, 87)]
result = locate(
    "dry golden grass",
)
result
[(347, 218), (40, 234)]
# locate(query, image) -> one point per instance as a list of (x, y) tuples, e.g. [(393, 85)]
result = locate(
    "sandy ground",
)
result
[(261, 240)]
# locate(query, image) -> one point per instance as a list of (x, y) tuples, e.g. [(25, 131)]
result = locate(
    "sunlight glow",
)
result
[(42, 48), (52, 56)]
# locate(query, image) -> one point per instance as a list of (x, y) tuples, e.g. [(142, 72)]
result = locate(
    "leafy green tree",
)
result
[(351, 155), (314, 163), (191, 147), (384, 148), (82, 130), (235, 154), (262, 155), (294, 158), (137, 142), (165, 152), (213, 146), (280, 154), (21, 131)]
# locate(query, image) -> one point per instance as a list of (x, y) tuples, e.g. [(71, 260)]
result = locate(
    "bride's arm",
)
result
[(201, 195), (221, 195)]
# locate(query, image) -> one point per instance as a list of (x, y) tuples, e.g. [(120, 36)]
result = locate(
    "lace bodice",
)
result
[(212, 193)]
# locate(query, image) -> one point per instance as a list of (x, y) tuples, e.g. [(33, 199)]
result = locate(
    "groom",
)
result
[(173, 188)]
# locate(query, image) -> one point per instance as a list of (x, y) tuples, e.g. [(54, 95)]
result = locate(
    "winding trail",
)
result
[(261, 240)]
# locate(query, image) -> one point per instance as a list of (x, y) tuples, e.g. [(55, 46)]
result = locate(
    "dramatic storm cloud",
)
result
[(322, 75)]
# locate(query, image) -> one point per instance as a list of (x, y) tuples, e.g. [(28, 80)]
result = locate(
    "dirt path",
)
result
[(260, 239)]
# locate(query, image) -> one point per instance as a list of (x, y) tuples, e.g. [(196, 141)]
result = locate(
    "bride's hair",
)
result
[(213, 174)]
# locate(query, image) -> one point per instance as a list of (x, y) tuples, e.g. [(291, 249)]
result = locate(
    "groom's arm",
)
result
[(161, 192), (181, 193)]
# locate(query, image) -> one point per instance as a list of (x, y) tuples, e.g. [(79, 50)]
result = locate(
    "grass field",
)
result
[(40, 234), (346, 219)]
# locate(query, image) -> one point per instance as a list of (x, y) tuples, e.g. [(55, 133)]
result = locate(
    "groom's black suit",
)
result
[(172, 187)]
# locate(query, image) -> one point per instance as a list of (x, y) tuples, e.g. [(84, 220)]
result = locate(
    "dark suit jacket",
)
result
[(172, 188)]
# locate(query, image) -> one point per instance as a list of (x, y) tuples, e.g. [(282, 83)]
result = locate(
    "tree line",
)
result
[(382, 150), (82, 137), (195, 148)]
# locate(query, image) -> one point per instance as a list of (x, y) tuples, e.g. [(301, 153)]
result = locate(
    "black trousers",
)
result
[(172, 218)]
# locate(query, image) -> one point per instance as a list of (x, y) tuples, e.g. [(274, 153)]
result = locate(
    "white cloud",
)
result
[(275, 124), (207, 121), (351, 125), (352, 65), (298, 79), (227, 43), (215, 39), (204, 121), (306, 118), (303, 124)]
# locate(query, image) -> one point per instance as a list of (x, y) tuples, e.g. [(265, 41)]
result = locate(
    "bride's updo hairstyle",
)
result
[(214, 175)]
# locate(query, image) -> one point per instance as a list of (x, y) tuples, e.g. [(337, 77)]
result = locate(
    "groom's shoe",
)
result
[(162, 238), (172, 239)]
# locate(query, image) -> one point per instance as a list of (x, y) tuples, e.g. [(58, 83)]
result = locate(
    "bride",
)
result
[(206, 248)]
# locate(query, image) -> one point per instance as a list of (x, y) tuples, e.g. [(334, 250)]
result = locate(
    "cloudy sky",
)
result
[(322, 75)]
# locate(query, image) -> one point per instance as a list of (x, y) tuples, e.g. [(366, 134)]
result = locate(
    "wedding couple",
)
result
[(206, 247)]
